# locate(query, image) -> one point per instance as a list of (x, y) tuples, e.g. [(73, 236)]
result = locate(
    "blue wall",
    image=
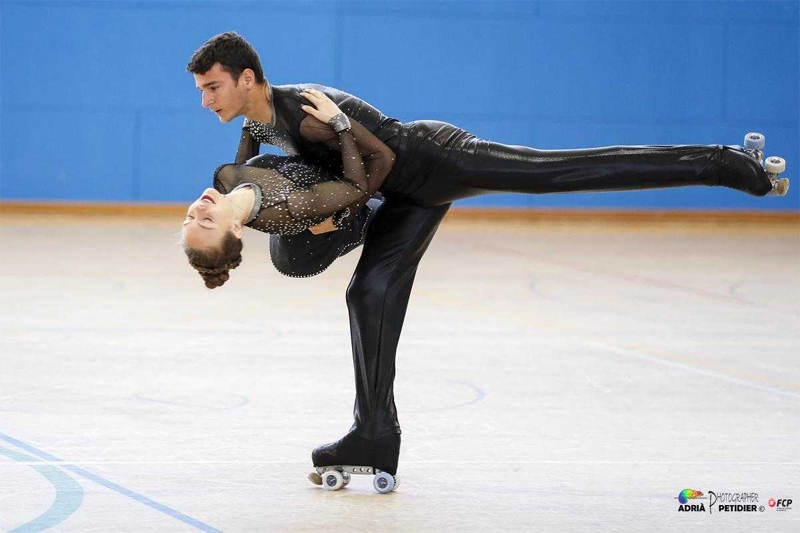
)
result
[(96, 104)]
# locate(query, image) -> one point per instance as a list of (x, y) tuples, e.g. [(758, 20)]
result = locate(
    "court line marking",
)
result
[(657, 283), (480, 394), (51, 459), (69, 493), (241, 401), (629, 352), (690, 368)]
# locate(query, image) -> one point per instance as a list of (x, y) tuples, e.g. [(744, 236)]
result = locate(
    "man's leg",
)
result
[(612, 168), (464, 165), (377, 299)]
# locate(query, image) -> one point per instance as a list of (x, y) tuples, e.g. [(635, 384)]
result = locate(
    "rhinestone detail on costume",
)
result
[(277, 184), (265, 134), (342, 249)]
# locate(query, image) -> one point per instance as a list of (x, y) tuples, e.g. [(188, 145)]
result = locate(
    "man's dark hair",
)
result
[(231, 51)]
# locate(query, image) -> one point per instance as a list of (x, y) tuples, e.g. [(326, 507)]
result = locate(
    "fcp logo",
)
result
[(781, 504)]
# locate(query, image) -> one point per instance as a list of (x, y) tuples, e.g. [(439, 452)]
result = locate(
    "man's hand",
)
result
[(324, 108), (323, 227)]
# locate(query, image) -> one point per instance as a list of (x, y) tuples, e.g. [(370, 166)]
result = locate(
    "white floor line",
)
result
[(694, 369)]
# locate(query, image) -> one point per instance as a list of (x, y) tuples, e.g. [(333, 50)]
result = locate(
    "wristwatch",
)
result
[(339, 123)]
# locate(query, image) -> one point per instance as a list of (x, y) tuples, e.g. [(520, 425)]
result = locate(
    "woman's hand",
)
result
[(324, 108), (323, 227)]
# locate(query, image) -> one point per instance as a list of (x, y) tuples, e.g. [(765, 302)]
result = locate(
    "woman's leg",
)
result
[(377, 299), (469, 166)]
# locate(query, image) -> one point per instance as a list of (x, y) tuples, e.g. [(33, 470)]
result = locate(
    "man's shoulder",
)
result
[(287, 96), (293, 90)]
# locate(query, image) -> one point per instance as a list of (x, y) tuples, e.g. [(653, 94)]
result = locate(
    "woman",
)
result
[(284, 195)]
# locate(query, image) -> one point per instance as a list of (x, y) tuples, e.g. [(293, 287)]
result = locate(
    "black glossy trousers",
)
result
[(438, 163), (377, 299)]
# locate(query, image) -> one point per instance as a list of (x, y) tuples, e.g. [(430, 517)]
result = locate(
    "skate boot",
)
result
[(754, 145), (353, 454), (748, 175)]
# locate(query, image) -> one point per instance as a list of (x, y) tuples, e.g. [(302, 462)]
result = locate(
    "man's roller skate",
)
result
[(754, 146), (336, 462)]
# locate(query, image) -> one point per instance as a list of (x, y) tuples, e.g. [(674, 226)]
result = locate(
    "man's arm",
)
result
[(248, 148)]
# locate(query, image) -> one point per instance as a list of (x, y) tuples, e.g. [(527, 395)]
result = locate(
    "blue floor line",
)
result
[(69, 495), (111, 485)]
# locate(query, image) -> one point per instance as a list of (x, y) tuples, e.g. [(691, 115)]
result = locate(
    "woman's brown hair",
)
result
[(214, 265)]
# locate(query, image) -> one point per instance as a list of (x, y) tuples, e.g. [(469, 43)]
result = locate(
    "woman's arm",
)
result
[(329, 197), (377, 157), (377, 161), (286, 207), (282, 212)]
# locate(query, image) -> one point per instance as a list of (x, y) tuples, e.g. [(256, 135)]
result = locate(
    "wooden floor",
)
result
[(550, 377)]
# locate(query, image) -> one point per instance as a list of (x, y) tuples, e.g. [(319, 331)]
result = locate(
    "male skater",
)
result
[(228, 72)]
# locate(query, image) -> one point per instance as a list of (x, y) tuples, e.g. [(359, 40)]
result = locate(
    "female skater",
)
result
[(433, 164)]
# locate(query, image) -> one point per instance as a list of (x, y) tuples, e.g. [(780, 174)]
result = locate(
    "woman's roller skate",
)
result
[(754, 145), (336, 462)]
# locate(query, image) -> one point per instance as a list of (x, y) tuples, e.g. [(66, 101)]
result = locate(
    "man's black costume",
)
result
[(437, 163)]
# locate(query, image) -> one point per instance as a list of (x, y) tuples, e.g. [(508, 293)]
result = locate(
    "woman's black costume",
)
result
[(436, 163)]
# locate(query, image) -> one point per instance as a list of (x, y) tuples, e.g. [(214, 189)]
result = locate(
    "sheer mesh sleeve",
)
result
[(377, 158), (297, 195), (248, 147)]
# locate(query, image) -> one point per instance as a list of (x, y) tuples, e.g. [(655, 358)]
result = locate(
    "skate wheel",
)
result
[(384, 483), (315, 478), (754, 140), (775, 165), (779, 187), (346, 478), (332, 480)]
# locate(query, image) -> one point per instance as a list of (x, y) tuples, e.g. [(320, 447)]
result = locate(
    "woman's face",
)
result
[(207, 221)]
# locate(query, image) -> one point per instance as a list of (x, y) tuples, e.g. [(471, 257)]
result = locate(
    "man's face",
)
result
[(221, 94)]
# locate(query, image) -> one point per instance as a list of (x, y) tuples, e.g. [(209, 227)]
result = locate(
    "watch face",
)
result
[(339, 123)]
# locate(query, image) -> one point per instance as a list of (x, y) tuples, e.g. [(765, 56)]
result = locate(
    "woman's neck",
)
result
[(242, 200)]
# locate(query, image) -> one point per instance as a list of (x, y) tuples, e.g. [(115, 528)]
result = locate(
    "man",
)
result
[(435, 162), (228, 72)]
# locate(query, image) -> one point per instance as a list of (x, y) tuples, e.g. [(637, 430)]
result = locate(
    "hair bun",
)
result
[(216, 280), (214, 265)]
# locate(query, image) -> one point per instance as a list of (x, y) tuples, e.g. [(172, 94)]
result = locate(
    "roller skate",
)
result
[(336, 462), (754, 145)]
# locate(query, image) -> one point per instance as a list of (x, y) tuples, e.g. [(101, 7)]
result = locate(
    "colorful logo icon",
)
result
[(688, 494), (771, 502)]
